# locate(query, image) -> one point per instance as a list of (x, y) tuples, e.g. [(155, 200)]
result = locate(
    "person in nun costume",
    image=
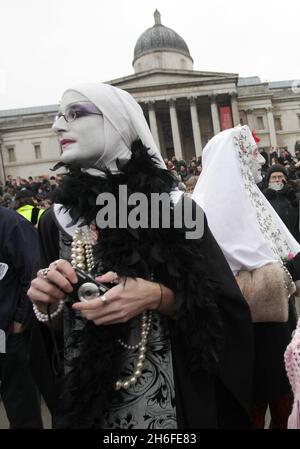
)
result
[(262, 254), (170, 344)]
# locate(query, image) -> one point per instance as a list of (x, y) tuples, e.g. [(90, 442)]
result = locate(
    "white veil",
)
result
[(245, 225)]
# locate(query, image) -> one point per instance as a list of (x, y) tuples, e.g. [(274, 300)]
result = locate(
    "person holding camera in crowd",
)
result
[(169, 345)]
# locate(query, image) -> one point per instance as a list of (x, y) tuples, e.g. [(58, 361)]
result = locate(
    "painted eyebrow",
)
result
[(72, 106), (84, 106)]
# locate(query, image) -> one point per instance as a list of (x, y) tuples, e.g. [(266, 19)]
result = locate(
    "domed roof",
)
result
[(160, 37)]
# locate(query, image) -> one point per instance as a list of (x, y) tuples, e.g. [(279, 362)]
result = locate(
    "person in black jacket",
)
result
[(17, 252), (283, 198)]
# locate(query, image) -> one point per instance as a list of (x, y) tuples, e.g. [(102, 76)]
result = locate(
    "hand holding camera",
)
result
[(53, 284), (87, 288)]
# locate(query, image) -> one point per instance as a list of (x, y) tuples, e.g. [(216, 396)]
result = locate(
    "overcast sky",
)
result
[(47, 46)]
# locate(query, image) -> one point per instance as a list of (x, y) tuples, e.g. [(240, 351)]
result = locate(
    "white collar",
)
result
[(63, 219)]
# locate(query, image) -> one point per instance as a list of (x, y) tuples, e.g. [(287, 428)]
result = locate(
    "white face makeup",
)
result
[(81, 137), (257, 162)]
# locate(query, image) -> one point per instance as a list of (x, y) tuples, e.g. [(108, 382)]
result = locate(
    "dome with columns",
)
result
[(161, 47)]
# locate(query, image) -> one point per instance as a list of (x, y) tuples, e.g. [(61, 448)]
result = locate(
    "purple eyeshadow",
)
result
[(84, 108)]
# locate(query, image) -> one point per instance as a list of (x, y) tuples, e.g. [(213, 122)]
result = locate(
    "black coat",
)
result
[(18, 245), (286, 205), (271, 339)]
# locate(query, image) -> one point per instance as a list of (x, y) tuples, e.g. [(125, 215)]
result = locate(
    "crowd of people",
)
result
[(29, 197), (168, 332), (40, 188), (280, 156)]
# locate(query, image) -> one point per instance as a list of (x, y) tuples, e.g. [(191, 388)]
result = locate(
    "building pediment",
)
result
[(156, 79)]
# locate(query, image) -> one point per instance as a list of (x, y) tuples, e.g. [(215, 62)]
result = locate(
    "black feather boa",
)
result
[(78, 190), (178, 263)]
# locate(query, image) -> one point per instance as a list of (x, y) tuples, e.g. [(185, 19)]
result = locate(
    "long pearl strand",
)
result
[(43, 317), (291, 287), (142, 348), (82, 257), (82, 252)]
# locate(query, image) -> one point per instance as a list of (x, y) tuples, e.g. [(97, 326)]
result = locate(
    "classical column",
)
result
[(2, 166), (153, 123), (250, 119), (161, 139), (215, 114), (195, 126), (272, 130), (175, 130), (235, 109)]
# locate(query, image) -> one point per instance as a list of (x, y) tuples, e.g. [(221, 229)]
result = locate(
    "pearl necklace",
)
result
[(82, 252), (291, 287), (140, 359), (44, 317), (82, 257)]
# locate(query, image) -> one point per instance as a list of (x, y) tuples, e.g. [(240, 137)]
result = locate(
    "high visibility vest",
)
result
[(31, 213)]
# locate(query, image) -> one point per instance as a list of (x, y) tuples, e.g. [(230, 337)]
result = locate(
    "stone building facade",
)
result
[(184, 107)]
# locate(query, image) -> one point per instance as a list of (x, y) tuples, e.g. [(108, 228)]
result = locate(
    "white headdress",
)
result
[(124, 122), (245, 225)]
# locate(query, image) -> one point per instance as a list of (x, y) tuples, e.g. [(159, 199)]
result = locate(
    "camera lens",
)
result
[(88, 291)]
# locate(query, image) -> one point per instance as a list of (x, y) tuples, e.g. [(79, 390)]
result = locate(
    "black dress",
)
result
[(271, 340), (270, 377)]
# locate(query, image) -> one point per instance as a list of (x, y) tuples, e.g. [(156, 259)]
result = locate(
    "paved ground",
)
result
[(47, 419), (45, 413)]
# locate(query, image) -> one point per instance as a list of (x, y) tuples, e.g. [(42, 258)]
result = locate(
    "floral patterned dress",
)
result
[(150, 403)]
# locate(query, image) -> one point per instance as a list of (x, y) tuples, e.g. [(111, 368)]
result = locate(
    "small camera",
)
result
[(86, 288)]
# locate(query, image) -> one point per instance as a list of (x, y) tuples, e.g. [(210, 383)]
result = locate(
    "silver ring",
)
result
[(43, 273), (103, 299), (55, 263)]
